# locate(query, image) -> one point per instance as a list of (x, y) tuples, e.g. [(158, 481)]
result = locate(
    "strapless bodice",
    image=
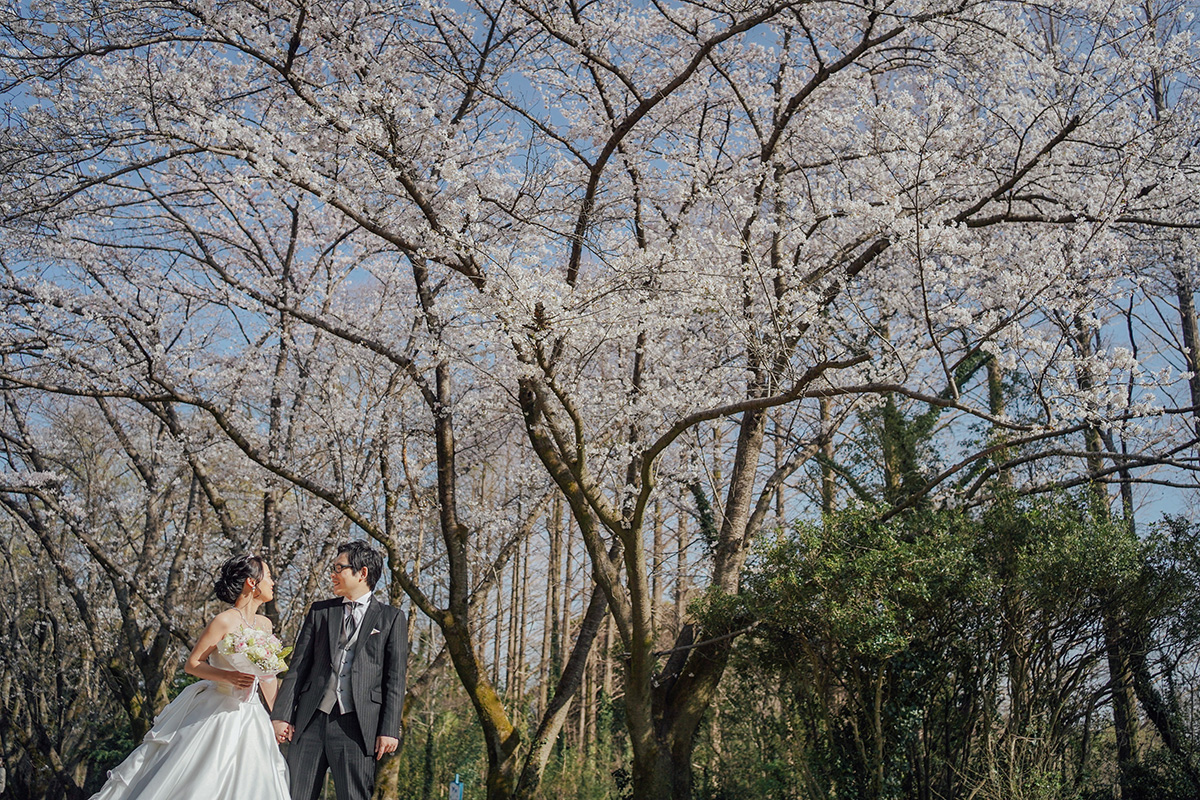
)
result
[(245, 695)]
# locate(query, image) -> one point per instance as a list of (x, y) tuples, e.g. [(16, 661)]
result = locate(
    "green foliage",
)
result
[(863, 584), (438, 747), (941, 653), (1174, 563), (1158, 776), (114, 741), (704, 514)]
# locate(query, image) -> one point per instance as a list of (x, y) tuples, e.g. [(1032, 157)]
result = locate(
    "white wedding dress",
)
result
[(207, 744)]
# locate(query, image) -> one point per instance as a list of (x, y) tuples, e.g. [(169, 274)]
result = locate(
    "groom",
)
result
[(341, 698)]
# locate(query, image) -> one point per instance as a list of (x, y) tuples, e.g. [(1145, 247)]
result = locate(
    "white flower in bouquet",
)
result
[(254, 651)]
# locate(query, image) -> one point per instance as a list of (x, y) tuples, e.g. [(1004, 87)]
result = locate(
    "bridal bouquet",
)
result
[(254, 652)]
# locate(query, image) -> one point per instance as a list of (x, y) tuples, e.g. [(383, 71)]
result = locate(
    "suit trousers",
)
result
[(331, 742)]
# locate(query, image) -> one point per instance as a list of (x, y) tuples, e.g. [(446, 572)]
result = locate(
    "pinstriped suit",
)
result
[(343, 743)]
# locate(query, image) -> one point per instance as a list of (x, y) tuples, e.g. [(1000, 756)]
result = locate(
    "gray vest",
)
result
[(340, 687)]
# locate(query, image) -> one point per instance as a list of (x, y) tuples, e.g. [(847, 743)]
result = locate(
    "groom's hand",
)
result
[(383, 745), (283, 731)]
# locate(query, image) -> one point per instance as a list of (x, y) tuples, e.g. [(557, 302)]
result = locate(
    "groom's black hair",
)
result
[(360, 554)]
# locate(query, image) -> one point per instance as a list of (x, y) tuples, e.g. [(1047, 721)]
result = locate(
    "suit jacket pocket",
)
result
[(377, 694)]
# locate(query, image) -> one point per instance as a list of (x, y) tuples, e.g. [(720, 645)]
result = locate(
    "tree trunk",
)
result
[(501, 739), (1163, 713), (656, 574), (1191, 339), (559, 706), (828, 486), (663, 711), (1116, 634), (511, 631), (1124, 703), (681, 573), (523, 626)]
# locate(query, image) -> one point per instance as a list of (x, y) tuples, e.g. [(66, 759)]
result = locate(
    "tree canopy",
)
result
[(397, 268)]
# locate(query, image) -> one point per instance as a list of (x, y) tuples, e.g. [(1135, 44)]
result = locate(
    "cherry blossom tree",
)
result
[(620, 230)]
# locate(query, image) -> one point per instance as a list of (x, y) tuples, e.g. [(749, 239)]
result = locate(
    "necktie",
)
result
[(329, 699), (348, 626)]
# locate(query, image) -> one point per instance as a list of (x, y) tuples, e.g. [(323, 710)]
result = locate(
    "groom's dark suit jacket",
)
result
[(376, 677)]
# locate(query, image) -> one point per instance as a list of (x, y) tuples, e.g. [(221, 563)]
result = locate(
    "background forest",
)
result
[(786, 399)]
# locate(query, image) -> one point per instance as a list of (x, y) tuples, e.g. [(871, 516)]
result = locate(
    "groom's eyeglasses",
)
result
[(336, 567)]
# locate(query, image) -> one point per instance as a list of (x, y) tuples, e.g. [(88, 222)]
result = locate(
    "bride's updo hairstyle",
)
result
[(233, 576)]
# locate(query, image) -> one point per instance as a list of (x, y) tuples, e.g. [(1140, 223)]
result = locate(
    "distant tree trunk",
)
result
[(564, 627), (1120, 672), (498, 630), (681, 572), (777, 422), (1117, 636), (555, 715), (1186, 294), (1164, 713), (585, 704), (606, 656), (511, 632), (553, 607), (523, 626), (828, 485), (276, 434), (996, 405), (656, 574), (427, 776)]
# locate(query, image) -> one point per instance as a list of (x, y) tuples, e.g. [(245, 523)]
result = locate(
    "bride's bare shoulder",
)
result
[(226, 620), (217, 627)]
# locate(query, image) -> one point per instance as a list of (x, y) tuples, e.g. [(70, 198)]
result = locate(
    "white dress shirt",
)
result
[(345, 695)]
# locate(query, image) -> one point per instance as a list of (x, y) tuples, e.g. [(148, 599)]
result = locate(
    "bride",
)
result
[(209, 743)]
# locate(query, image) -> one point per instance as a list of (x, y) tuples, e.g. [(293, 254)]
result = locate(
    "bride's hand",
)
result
[(240, 679)]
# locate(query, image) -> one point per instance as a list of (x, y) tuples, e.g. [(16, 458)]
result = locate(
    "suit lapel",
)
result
[(333, 618), (368, 625)]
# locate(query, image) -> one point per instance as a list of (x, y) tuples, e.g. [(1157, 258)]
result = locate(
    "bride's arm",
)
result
[(197, 660), (270, 688)]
